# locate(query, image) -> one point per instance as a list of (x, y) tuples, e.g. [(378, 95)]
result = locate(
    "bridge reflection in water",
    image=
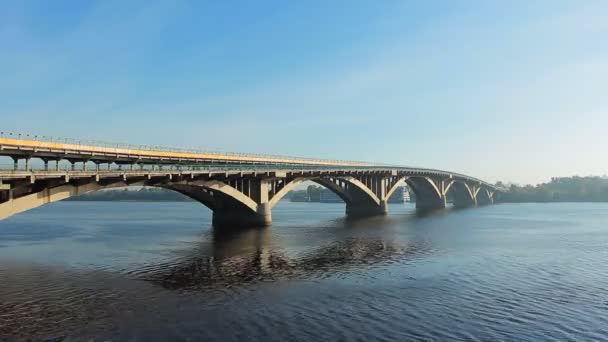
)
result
[(210, 267), (235, 258)]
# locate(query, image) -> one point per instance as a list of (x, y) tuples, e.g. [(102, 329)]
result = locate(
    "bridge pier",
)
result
[(464, 203), (429, 203), (356, 210), (236, 218)]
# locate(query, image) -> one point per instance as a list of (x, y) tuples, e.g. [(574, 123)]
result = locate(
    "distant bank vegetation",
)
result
[(137, 194), (559, 189)]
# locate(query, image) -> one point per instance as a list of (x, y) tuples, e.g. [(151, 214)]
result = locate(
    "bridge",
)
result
[(240, 189)]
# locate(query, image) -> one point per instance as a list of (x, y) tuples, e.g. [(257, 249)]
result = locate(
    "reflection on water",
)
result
[(158, 271), (236, 258)]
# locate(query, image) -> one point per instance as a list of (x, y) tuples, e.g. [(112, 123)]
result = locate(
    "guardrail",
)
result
[(158, 148), (247, 167), (188, 167)]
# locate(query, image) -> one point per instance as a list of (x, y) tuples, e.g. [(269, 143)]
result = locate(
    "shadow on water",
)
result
[(241, 256)]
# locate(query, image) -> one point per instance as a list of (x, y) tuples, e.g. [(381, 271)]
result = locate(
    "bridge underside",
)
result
[(244, 198)]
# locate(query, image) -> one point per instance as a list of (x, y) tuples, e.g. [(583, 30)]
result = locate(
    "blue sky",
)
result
[(501, 90)]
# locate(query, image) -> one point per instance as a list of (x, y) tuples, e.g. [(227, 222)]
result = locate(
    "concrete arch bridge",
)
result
[(240, 189)]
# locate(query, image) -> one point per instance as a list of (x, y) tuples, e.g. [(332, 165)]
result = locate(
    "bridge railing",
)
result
[(159, 148), (66, 167), (5, 167)]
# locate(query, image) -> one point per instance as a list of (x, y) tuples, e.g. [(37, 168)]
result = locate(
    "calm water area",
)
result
[(159, 271)]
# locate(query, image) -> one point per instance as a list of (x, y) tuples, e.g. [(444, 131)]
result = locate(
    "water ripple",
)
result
[(502, 273)]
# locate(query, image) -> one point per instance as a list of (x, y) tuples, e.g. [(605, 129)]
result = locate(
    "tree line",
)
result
[(140, 195), (559, 189)]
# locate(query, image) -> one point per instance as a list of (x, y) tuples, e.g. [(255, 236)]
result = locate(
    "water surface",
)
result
[(157, 271)]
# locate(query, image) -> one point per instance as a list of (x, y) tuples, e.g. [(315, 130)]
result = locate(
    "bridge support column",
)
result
[(365, 209), (429, 203), (234, 218), (464, 203), (236, 203), (367, 196)]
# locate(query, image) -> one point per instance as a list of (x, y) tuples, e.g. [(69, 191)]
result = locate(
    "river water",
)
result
[(159, 271)]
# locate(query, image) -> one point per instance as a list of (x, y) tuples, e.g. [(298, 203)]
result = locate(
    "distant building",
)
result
[(298, 196), (406, 194), (328, 196), (398, 195)]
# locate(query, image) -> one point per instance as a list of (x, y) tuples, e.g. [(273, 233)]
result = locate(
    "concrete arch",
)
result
[(285, 190), (428, 194), (359, 199), (358, 186), (392, 190), (230, 206), (462, 194), (330, 184), (335, 188), (424, 186), (213, 194), (197, 193), (50, 195), (484, 196), (226, 192)]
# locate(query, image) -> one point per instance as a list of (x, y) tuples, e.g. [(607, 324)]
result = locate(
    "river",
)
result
[(159, 271)]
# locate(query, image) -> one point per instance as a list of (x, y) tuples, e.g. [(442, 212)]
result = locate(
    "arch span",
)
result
[(360, 199), (428, 193), (225, 201), (51, 194), (485, 196), (291, 185), (462, 194), (391, 189)]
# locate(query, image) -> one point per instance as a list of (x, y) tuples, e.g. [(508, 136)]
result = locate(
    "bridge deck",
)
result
[(147, 155), (188, 161)]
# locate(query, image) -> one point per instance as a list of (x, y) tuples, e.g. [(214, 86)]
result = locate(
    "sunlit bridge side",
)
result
[(240, 189)]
